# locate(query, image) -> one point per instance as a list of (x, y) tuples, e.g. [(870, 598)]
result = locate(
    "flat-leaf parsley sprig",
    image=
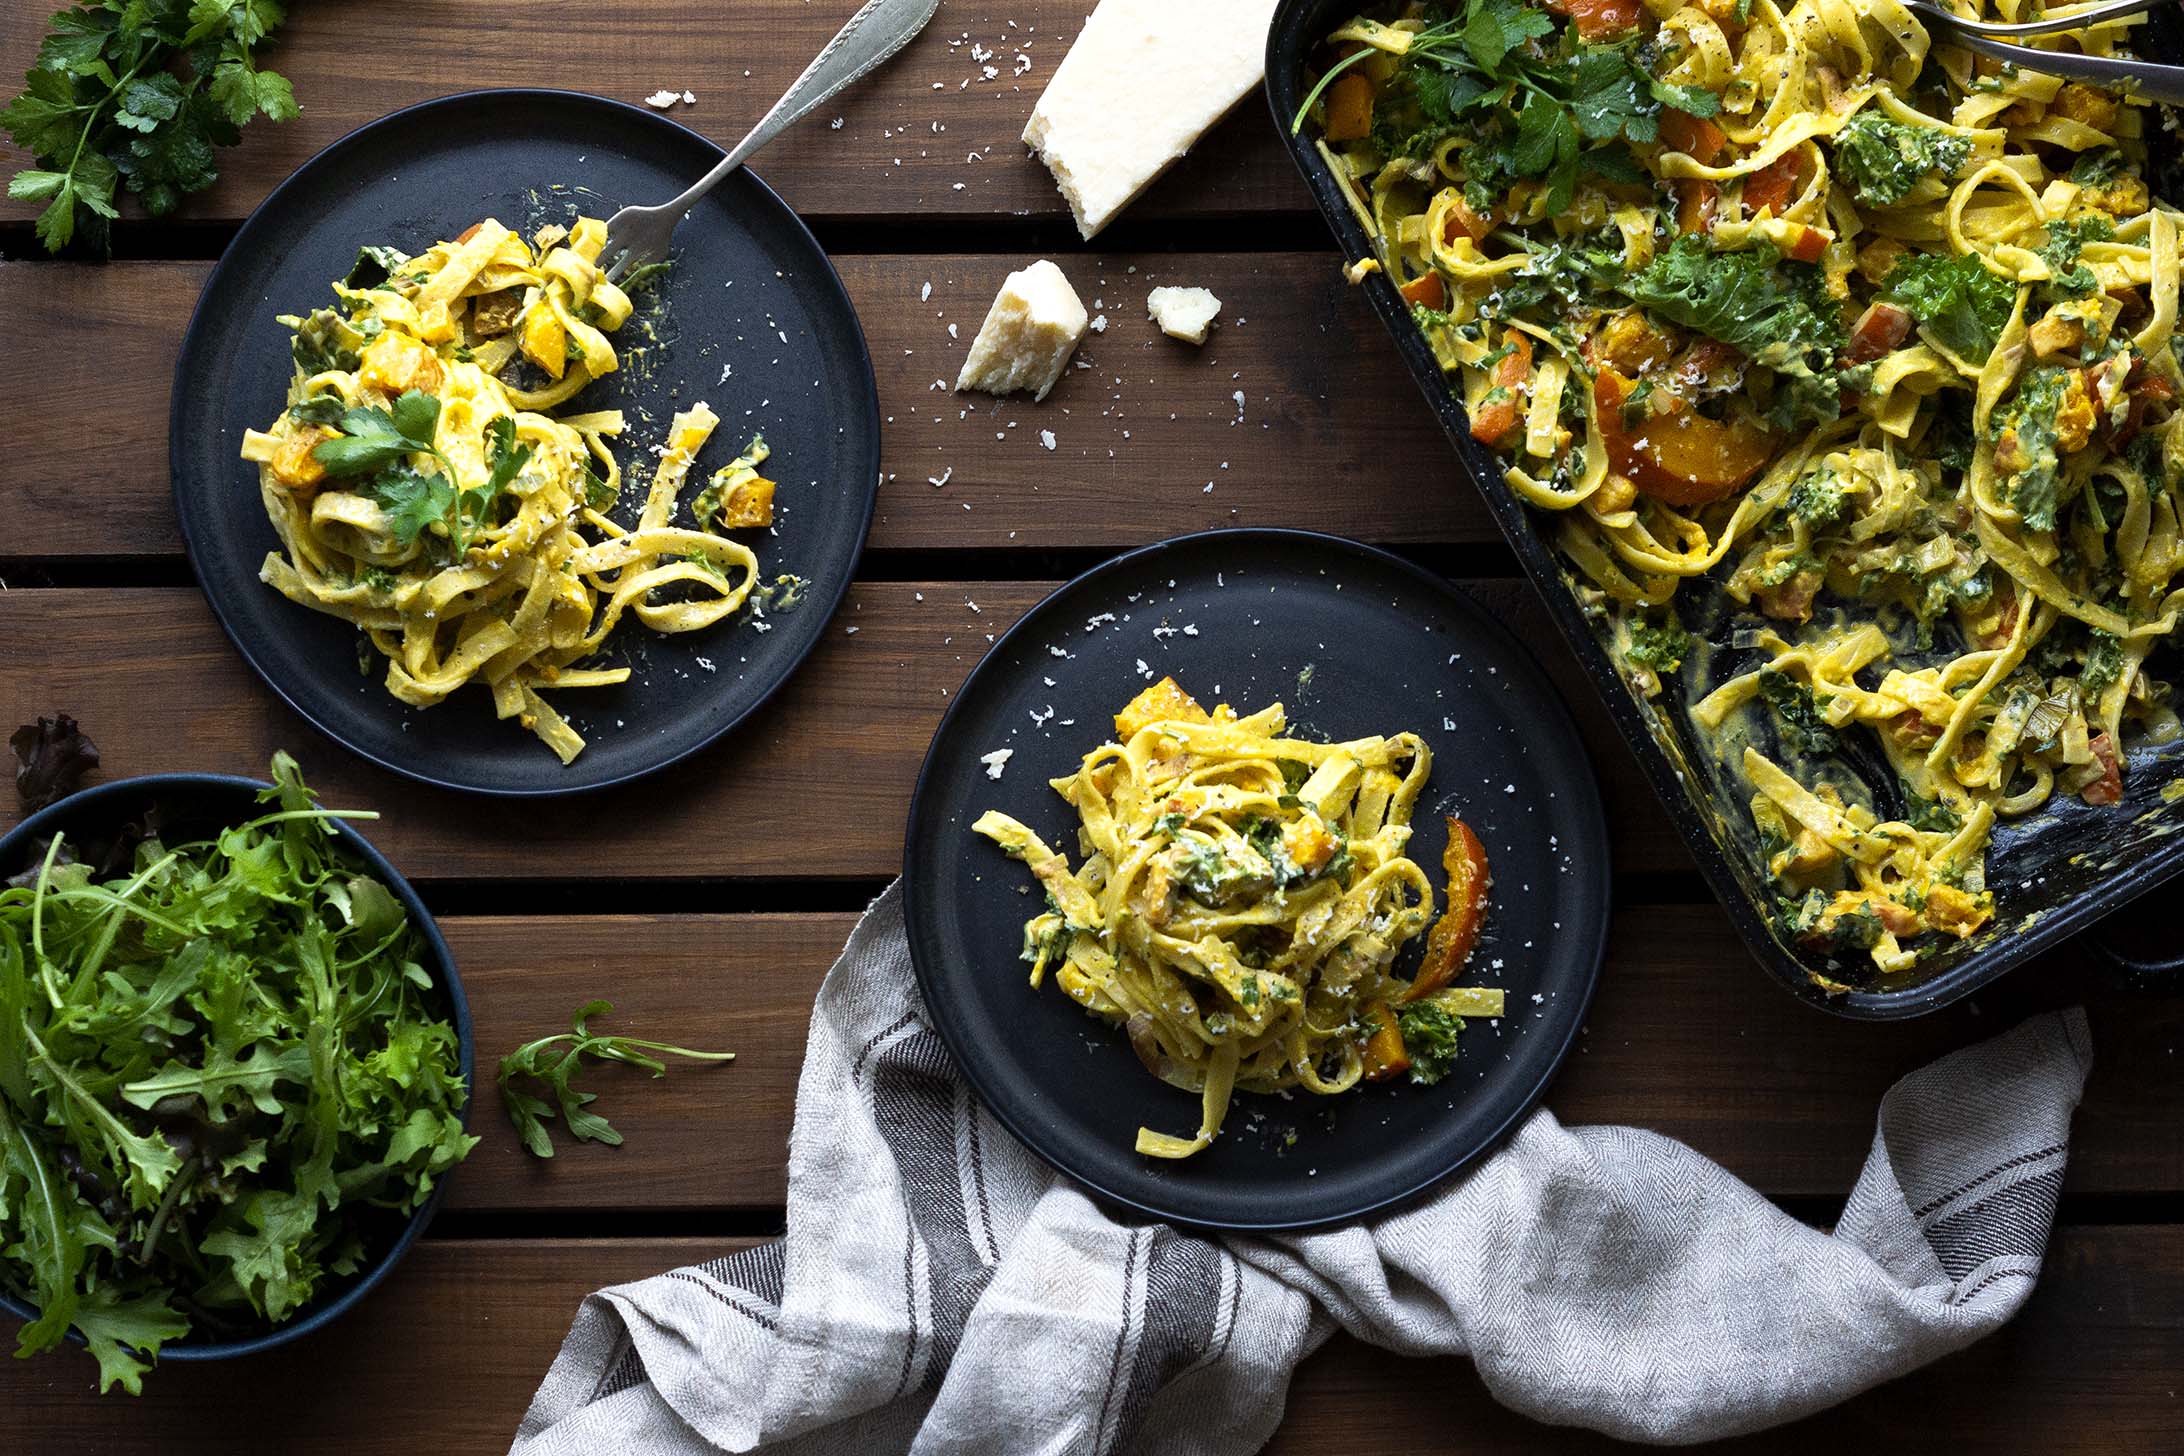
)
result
[(550, 1065), (1535, 103), (138, 94)]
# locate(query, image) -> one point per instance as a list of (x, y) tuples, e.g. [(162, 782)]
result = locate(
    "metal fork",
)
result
[(2148, 79), (637, 236)]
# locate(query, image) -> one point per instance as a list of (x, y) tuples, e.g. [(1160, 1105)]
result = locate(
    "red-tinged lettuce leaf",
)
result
[(51, 757)]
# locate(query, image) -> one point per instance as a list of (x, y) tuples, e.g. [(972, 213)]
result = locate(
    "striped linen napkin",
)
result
[(941, 1290)]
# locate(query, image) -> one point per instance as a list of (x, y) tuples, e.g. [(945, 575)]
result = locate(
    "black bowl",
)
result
[(196, 805)]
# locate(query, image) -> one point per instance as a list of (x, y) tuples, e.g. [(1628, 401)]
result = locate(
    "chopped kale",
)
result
[(1429, 1033), (1777, 312), (1802, 726), (1964, 305), (1658, 646), (1883, 158), (1820, 499)]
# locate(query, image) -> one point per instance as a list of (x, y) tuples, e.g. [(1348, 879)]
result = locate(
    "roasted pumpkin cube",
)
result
[(2086, 105), (294, 466), (1162, 701), (1308, 842), (749, 503), (397, 363), (1955, 911), (545, 341)]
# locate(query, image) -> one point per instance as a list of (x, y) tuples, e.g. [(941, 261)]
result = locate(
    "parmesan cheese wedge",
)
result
[(1143, 81), (1183, 313), (1035, 324)]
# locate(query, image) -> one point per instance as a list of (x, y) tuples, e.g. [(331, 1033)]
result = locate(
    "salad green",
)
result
[(225, 1075)]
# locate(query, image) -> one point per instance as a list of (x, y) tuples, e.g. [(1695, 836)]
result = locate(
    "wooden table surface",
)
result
[(676, 897)]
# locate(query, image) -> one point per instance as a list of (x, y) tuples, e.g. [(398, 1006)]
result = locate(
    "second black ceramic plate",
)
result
[(1353, 642), (750, 319)]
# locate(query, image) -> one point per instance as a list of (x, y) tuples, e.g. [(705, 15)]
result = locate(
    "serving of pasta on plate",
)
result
[(427, 484), (1241, 902), (1841, 368)]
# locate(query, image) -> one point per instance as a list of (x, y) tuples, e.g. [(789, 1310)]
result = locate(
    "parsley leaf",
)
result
[(507, 460), (1494, 28), (138, 94), (548, 1067), (372, 438), (1608, 98), (413, 500)]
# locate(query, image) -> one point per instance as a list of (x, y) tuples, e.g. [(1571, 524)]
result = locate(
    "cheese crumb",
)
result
[(1183, 313), (664, 100), (1046, 438), (996, 761), (1035, 324)]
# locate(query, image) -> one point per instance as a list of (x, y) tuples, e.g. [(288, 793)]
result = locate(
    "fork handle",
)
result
[(874, 33), (2148, 79), (2046, 25)]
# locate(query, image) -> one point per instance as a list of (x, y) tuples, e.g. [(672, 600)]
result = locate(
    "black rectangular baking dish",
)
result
[(2055, 874)]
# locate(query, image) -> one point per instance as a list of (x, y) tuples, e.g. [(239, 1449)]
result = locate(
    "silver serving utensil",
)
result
[(2148, 79), (637, 236)]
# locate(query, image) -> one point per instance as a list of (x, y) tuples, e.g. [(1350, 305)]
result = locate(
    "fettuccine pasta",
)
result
[(1241, 903), (1859, 351), (422, 490)]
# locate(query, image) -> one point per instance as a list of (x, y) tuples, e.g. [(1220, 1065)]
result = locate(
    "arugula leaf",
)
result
[(551, 1064), (1966, 306), (138, 93), (229, 1051)]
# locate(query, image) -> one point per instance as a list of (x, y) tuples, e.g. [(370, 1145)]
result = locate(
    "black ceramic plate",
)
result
[(1352, 641), (753, 321)]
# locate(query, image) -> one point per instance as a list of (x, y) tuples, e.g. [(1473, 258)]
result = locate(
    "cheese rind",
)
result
[(1035, 324), (1183, 313), (1143, 81)]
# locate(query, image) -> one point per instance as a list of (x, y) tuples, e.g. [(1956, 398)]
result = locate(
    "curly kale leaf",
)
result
[(1776, 312), (1883, 158), (1965, 306)]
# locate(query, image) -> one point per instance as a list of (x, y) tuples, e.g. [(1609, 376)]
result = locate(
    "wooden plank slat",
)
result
[(1686, 1039), (841, 747), (885, 159), (447, 1355), (1331, 434)]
